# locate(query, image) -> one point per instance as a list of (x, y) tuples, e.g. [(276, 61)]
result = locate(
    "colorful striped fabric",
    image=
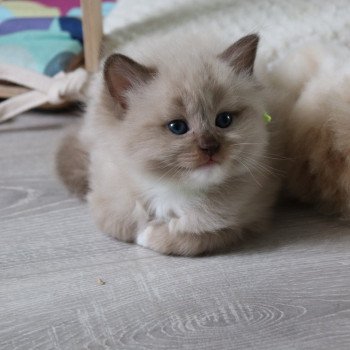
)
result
[(42, 35)]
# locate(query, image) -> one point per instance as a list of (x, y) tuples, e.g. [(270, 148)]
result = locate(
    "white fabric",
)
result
[(56, 90), (281, 23)]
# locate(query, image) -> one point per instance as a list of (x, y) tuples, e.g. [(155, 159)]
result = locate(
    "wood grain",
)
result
[(288, 289)]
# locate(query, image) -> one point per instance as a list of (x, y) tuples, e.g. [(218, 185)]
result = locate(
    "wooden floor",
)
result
[(289, 289)]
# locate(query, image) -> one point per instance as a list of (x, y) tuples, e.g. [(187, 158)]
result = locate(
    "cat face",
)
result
[(196, 123)]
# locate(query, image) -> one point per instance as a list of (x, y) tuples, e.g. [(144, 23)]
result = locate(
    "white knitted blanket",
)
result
[(281, 23)]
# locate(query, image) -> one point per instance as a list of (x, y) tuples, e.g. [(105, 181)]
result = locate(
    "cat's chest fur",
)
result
[(165, 201)]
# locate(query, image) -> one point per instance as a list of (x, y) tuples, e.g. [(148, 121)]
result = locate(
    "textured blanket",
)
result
[(281, 23)]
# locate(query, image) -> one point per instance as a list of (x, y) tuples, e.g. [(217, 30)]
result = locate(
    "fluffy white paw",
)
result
[(142, 238)]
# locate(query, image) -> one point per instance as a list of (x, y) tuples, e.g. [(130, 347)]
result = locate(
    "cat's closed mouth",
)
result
[(209, 163)]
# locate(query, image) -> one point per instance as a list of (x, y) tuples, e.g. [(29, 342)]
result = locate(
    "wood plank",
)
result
[(288, 289)]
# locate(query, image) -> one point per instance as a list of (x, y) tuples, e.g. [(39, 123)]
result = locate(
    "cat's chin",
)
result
[(207, 175)]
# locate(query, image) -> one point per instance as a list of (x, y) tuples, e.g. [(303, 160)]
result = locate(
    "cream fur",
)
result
[(146, 183), (312, 103)]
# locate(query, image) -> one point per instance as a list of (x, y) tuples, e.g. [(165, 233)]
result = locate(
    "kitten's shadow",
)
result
[(294, 224)]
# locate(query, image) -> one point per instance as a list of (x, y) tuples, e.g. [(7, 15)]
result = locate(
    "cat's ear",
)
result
[(121, 74), (241, 54)]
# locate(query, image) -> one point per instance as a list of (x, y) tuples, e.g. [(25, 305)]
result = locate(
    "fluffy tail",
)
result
[(72, 162)]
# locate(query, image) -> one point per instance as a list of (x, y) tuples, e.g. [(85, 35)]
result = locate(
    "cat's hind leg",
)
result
[(72, 162)]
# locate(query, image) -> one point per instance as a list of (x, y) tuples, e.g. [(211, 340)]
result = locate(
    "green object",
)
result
[(267, 118)]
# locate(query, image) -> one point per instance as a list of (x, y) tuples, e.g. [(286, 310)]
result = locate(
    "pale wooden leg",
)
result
[(92, 29)]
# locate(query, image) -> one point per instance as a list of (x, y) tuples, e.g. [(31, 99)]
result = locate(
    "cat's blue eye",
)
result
[(224, 120), (178, 127)]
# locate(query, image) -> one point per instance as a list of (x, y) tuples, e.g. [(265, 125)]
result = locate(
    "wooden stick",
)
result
[(92, 29)]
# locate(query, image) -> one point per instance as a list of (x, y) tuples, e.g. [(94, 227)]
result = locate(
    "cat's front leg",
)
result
[(160, 237), (120, 219)]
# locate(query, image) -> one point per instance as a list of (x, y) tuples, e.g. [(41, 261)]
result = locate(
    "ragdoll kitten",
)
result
[(178, 149), (312, 104)]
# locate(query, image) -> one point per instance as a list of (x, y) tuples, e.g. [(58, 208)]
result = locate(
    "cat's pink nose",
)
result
[(209, 146)]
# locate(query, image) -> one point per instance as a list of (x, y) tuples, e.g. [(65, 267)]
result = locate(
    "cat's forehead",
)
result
[(200, 99), (194, 86), (204, 88)]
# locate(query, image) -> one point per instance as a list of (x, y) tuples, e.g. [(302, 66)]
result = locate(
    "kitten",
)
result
[(177, 147), (312, 104)]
